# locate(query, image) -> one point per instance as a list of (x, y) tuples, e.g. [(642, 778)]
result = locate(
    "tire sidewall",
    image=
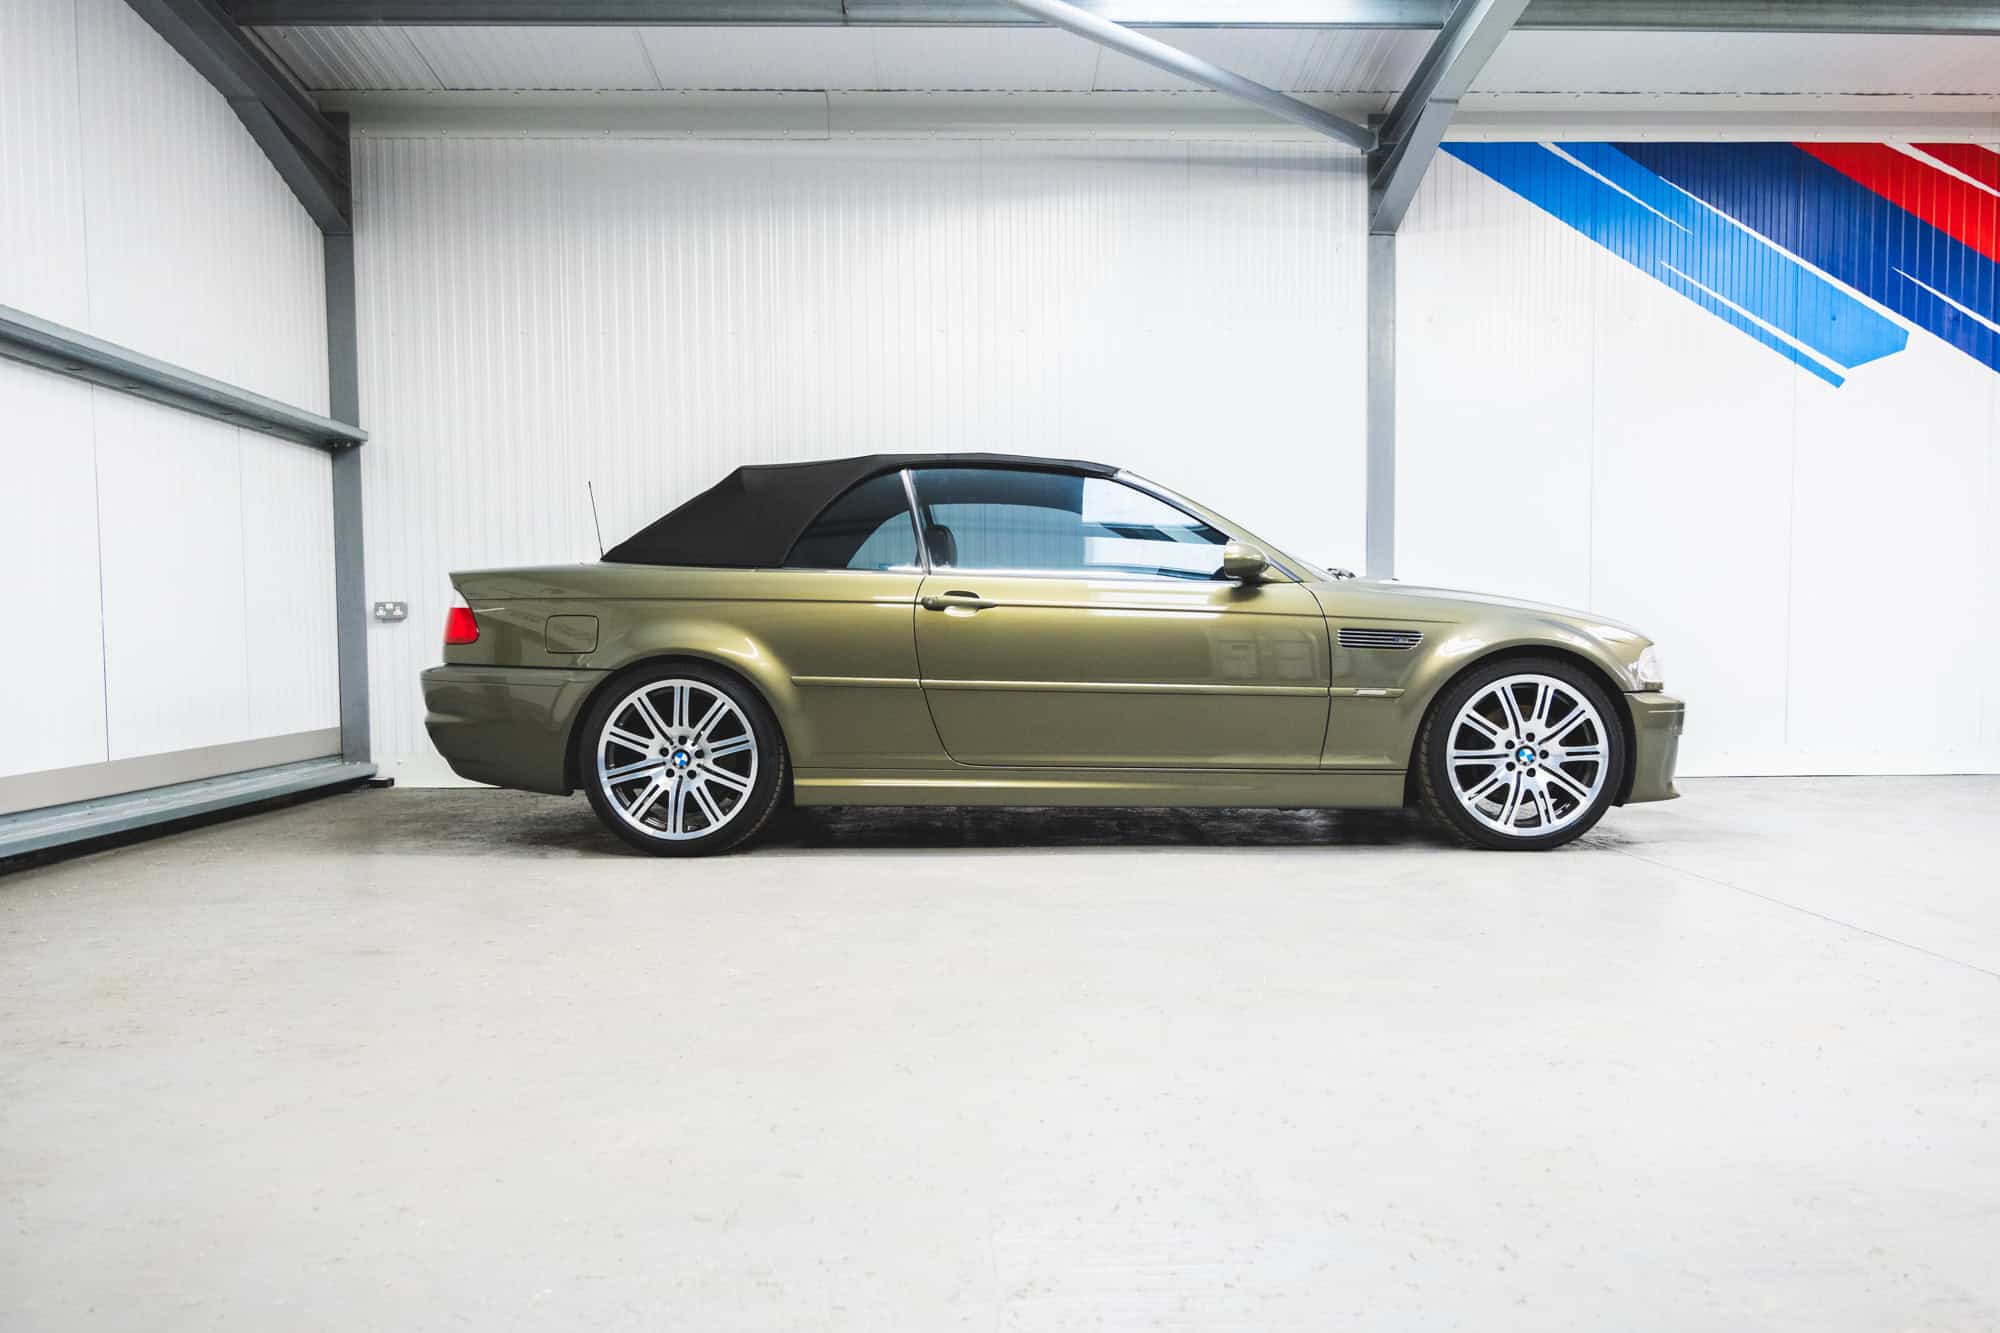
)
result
[(1437, 740), (764, 793)]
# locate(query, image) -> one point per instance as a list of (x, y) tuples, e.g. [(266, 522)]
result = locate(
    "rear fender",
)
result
[(705, 639)]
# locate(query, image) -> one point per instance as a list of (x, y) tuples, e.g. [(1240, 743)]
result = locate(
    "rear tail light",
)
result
[(460, 625)]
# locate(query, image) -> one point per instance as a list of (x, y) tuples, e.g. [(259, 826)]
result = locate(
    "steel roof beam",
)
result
[(1196, 70), (1422, 111), (1942, 17), (308, 150)]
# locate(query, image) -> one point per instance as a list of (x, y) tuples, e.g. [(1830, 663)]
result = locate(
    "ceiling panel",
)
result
[(1027, 59), (351, 59), (983, 59), (1707, 62), (584, 59), (747, 58), (1272, 56), (1359, 61), (912, 59)]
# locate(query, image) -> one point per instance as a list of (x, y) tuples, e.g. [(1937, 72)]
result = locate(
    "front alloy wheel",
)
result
[(1521, 755), (682, 760)]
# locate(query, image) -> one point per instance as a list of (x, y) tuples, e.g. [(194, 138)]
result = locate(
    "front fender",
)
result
[(1382, 695)]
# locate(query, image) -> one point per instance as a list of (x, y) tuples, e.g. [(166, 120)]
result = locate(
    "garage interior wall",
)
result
[(1613, 395), (645, 315), (169, 577)]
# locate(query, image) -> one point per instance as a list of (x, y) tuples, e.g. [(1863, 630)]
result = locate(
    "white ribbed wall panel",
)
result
[(52, 674), (291, 622), (198, 251), (41, 163), (175, 584), (218, 587), (170, 576), (134, 205), (648, 315), (1820, 564)]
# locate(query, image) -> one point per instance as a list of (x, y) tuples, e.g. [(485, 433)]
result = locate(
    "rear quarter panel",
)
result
[(831, 651)]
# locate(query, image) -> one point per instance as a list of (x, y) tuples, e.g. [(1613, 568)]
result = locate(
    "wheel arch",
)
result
[(1514, 651), (615, 680)]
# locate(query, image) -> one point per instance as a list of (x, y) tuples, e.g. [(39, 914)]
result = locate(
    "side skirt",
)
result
[(1246, 788)]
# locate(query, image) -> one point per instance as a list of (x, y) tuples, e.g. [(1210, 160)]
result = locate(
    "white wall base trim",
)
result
[(89, 782), (38, 830)]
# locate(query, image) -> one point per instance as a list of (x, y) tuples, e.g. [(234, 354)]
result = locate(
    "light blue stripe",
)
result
[(1687, 246)]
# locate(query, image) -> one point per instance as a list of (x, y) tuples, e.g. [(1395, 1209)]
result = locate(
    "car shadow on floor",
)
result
[(883, 828), (487, 820), (514, 821)]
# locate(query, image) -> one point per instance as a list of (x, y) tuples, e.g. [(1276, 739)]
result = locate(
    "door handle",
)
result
[(955, 601)]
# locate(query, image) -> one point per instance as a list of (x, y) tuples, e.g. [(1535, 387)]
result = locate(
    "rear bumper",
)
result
[(1656, 729), (509, 726)]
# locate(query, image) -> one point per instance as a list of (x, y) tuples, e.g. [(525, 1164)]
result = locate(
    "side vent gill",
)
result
[(1353, 636)]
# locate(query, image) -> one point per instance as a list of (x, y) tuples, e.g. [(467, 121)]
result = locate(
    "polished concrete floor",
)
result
[(420, 1060)]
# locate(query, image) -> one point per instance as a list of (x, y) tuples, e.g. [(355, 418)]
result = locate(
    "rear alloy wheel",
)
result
[(1522, 755), (682, 761)]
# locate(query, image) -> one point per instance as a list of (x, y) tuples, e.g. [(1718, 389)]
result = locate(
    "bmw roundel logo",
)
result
[(680, 758)]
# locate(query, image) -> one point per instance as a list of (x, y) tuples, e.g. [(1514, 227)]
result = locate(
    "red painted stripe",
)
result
[(1959, 210), (1982, 164)]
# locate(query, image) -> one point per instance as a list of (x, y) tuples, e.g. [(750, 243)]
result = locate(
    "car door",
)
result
[(838, 617), (1077, 621)]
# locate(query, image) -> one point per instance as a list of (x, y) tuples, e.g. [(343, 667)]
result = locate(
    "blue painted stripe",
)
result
[(1667, 235), (1729, 260), (1844, 228)]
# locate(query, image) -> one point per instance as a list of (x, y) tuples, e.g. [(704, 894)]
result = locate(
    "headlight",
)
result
[(1651, 675)]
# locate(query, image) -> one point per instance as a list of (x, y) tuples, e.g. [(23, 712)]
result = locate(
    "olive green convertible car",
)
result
[(978, 629)]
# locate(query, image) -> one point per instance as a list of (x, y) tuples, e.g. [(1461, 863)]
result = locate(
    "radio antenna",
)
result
[(592, 489)]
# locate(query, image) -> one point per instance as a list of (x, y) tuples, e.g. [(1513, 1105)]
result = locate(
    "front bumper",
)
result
[(1656, 731), (509, 726)]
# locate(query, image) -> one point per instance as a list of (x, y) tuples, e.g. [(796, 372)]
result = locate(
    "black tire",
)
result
[(683, 767), (1439, 794)]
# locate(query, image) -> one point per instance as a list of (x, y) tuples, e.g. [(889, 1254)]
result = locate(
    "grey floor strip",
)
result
[(35, 830)]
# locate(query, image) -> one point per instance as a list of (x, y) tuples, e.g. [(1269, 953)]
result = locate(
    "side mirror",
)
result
[(1243, 563)]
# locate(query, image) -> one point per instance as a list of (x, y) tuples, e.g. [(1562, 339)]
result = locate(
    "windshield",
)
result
[(1290, 565)]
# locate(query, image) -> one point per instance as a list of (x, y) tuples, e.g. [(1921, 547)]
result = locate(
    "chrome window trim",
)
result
[(1081, 576), (1086, 573), (1278, 559), (911, 502), (916, 518)]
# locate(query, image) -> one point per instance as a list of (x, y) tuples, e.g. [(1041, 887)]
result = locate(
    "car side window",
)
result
[(1059, 522), (868, 527)]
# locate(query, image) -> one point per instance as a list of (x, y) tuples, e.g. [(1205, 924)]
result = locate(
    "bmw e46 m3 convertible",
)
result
[(978, 629)]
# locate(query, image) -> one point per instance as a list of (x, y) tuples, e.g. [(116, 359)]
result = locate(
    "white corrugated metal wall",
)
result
[(539, 313), (170, 577), (1821, 564)]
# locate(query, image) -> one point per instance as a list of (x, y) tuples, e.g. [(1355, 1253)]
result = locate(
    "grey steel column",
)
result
[(350, 588), (1381, 524)]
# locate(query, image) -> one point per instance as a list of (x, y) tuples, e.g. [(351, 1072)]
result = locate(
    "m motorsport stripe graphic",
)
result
[(1959, 209), (1702, 255), (1982, 164), (1753, 232), (1846, 230)]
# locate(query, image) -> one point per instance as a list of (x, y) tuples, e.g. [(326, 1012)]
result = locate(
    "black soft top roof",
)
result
[(751, 518)]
